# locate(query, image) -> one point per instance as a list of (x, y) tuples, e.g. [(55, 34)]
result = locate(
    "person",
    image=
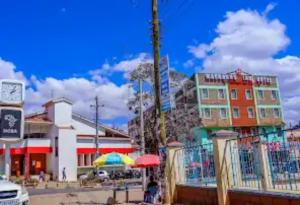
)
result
[(42, 176), (64, 175), (152, 191)]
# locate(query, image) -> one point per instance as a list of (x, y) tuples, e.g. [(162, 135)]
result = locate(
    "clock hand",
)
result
[(14, 90)]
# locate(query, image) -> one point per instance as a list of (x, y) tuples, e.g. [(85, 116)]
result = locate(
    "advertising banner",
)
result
[(165, 84)]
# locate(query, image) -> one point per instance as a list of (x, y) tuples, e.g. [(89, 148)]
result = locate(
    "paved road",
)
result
[(35, 192)]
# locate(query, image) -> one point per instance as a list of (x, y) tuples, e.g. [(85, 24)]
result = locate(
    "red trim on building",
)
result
[(25, 150), (104, 150)]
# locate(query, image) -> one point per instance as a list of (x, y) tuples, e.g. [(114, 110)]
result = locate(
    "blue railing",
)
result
[(199, 165)]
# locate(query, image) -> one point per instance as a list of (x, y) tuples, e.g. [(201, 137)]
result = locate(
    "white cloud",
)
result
[(124, 66), (249, 40), (8, 70), (80, 91)]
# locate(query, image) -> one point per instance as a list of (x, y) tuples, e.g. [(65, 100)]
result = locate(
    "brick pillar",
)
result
[(266, 180), (175, 167), (223, 162), (27, 165)]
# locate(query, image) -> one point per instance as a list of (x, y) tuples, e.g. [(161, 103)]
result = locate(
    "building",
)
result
[(239, 101), (58, 138)]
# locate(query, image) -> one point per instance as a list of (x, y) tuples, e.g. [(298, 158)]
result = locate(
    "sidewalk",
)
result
[(84, 198)]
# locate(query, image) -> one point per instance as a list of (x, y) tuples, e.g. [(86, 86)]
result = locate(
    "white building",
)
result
[(58, 138)]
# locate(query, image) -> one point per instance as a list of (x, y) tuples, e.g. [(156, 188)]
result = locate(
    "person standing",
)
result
[(64, 175)]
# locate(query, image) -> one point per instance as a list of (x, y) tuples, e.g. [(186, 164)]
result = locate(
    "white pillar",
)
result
[(7, 161), (82, 160)]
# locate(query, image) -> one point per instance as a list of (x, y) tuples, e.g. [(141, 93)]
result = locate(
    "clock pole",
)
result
[(12, 94)]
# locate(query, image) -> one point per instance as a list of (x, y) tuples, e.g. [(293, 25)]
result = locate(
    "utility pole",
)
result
[(159, 114), (96, 122), (142, 130)]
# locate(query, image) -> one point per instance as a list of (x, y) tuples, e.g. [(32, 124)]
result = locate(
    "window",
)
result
[(221, 94), (250, 112), (236, 112), (56, 146), (274, 95), (204, 92), (233, 94), (260, 94), (263, 113), (206, 113), (223, 113), (248, 95), (276, 112)]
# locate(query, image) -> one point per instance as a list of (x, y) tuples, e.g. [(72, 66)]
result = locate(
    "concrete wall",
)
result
[(239, 197), (190, 195), (67, 154), (84, 129), (207, 195)]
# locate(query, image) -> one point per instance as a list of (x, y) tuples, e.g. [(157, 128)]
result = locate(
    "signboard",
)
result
[(164, 84), (11, 123)]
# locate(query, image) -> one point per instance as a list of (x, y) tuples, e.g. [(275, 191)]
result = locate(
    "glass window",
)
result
[(260, 94), (204, 93), (263, 113), (56, 146), (236, 112), (221, 93), (206, 113), (276, 112), (223, 113), (250, 112), (274, 95), (233, 94), (248, 95)]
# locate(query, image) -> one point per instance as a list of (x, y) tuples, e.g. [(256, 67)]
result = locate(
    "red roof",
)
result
[(39, 117)]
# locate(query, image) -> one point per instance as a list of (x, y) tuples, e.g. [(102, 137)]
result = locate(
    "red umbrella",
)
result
[(147, 160)]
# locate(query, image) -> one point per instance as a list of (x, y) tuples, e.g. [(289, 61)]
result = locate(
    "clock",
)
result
[(12, 92)]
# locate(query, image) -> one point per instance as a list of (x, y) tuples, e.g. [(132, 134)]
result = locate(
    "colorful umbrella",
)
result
[(147, 160), (113, 159)]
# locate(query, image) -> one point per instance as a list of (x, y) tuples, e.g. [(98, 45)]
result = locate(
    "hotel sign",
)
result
[(11, 123)]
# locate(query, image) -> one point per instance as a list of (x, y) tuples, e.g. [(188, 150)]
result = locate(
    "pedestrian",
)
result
[(152, 191), (42, 176), (64, 175)]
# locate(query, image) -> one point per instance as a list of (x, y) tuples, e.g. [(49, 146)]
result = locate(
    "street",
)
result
[(88, 197)]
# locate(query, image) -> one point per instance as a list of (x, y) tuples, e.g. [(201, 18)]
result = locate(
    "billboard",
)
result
[(164, 84), (11, 123)]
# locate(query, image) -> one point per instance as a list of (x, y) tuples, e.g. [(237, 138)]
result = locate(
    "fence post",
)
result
[(266, 181), (223, 163), (175, 167)]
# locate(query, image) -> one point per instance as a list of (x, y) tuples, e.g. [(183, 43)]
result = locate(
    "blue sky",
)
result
[(61, 40)]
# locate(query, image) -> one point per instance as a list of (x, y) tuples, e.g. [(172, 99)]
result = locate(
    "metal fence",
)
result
[(269, 161), (199, 167), (281, 161)]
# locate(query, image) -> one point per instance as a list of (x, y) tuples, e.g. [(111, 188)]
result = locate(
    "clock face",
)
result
[(12, 92)]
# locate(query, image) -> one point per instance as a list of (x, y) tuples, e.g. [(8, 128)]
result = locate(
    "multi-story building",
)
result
[(248, 104)]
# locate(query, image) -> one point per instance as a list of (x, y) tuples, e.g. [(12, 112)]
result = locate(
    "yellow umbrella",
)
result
[(113, 159)]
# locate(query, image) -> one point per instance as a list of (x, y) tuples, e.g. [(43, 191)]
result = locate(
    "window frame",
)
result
[(202, 95), (219, 97), (236, 94), (203, 113), (273, 112), (276, 94), (253, 116), (226, 114), (238, 109), (251, 96), (260, 97), (260, 113)]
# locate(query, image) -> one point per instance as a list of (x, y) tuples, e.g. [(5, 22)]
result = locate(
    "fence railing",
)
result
[(270, 161), (198, 165)]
